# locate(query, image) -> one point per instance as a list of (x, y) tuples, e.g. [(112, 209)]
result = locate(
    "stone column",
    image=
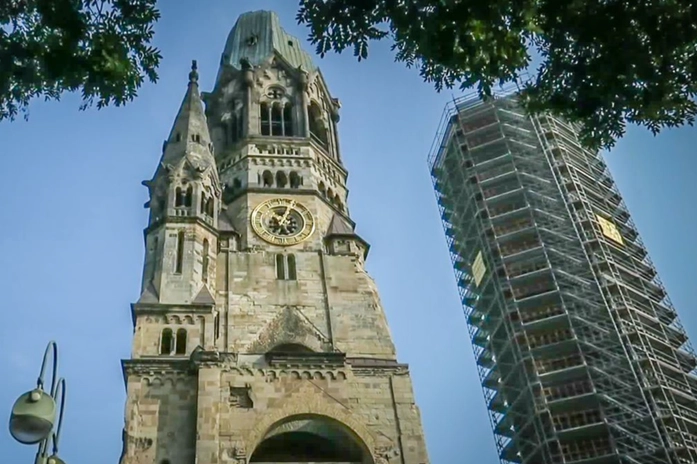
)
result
[(304, 123), (250, 112), (336, 105)]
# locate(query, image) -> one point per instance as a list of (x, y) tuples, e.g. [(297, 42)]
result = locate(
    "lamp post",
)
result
[(34, 413)]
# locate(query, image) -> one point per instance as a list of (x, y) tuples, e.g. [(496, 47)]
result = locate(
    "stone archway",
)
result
[(314, 420), (310, 439)]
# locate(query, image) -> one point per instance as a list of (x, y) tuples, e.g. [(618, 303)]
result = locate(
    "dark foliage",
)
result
[(99, 47), (604, 63)]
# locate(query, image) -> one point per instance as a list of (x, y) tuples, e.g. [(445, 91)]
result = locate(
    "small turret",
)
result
[(184, 204), (186, 181)]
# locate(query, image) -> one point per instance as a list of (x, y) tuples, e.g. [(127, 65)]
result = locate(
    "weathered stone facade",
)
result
[(245, 350)]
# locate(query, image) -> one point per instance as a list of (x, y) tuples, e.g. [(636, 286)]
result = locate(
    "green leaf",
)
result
[(604, 64)]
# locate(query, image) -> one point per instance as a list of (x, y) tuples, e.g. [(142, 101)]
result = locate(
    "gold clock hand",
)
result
[(285, 215)]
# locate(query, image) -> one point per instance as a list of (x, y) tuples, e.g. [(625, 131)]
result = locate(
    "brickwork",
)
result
[(229, 352)]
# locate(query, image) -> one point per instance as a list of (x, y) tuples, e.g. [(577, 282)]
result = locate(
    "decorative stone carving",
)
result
[(386, 454), (238, 453), (139, 443)]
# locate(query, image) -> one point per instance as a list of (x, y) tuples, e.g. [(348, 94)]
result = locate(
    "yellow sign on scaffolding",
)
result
[(478, 269), (610, 230)]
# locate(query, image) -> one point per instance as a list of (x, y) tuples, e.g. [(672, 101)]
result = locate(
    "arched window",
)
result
[(180, 252), (234, 126), (294, 179), (280, 267), (288, 120), (236, 184), (285, 267), (166, 342), (153, 257), (276, 119), (322, 190), (281, 179), (330, 194), (189, 196), (265, 118), (178, 197), (180, 346), (216, 326), (209, 206), (204, 271), (318, 130), (291, 274), (267, 179), (203, 203)]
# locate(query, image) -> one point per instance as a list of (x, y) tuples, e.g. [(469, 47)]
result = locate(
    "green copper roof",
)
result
[(257, 35)]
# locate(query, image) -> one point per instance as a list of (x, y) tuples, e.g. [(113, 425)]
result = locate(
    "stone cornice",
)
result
[(376, 366), (332, 363), (319, 360), (179, 308), (179, 220), (160, 365)]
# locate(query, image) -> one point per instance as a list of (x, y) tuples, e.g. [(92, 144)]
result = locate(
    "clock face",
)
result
[(282, 221)]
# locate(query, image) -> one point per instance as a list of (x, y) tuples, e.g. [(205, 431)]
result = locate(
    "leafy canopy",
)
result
[(101, 47), (604, 63)]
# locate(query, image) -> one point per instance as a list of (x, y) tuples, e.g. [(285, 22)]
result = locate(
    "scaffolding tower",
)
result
[(580, 353)]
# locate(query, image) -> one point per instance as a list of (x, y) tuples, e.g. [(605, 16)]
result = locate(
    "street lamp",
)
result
[(34, 413)]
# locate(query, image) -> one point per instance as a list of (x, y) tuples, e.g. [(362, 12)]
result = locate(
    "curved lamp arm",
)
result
[(42, 452), (60, 387), (52, 347)]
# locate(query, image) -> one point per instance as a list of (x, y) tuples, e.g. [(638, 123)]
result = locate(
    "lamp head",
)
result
[(54, 460), (32, 418)]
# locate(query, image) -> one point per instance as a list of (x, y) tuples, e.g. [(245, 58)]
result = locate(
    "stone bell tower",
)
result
[(259, 337)]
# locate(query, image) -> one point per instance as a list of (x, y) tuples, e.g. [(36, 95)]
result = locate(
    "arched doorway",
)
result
[(310, 439)]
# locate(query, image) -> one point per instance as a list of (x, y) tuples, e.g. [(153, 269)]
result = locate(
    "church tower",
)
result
[(258, 336)]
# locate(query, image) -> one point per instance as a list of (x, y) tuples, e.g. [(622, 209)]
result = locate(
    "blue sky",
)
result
[(71, 243)]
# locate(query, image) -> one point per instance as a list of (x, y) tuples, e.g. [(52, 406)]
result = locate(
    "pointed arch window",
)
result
[(203, 203), (288, 120), (166, 342), (216, 326), (153, 257), (178, 197), (276, 119), (180, 253), (188, 198), (180, 345), (265, 118), (209, 206), (204, 271), (235, 124)]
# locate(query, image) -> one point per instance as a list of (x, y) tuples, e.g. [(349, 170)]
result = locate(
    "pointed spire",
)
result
[(189, 137), (193, 75)]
